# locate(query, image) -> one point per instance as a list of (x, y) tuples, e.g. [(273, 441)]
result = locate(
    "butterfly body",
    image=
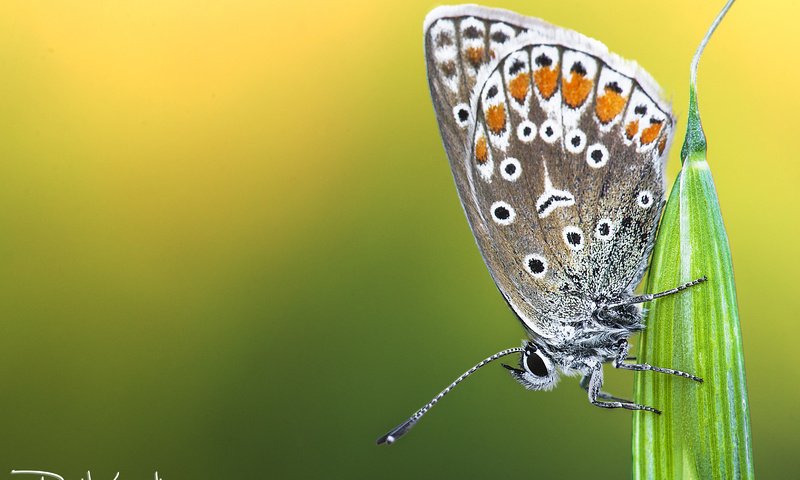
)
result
[(556, 147)]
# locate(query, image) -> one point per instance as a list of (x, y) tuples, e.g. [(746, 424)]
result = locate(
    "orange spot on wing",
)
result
[(576, 89), (546, 81), (481, 150), (650, 133), (496, 118), (518, 87), (631, 128), (475, 56), (662, 145), (609, 106)]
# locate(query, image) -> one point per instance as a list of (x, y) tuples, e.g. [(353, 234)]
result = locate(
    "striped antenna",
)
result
[(404, 427)]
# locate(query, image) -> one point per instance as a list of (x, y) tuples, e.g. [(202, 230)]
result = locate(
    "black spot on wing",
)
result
[(551, 199), (536, 265), (499, 37), (516, 67), (472, 32), (578, 68), (614, 87), (574, 238), (543, 60), (444, 39)]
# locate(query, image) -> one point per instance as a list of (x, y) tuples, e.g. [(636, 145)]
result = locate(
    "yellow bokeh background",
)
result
[(231, 244)]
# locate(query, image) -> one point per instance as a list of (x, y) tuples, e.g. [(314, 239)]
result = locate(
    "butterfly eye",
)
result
[(534, 364), (536, 369)]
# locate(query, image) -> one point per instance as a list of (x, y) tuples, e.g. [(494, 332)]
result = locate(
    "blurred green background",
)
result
[(231, 243)]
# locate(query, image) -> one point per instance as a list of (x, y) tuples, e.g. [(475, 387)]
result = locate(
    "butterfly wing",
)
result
[(458, 50), (556, 147)]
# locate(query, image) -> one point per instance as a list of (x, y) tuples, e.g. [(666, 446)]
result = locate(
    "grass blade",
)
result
[(704, 431)]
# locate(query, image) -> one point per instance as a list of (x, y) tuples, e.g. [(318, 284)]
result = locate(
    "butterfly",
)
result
[(557, 148)]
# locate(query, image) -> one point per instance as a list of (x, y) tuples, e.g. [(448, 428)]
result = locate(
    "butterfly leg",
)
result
[(652, 296), (641, 367), (601, 394), (595, 384)]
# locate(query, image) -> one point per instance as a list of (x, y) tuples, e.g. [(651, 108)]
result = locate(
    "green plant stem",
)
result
[(704, 431)]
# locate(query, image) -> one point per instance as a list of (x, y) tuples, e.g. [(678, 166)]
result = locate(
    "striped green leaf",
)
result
[(704, 431)]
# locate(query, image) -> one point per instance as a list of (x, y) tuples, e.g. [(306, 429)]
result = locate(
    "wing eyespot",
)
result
[(502, 213), (526, 131), (597, 155), (644, 199), (550, 131), (510, 169), (604, 229), (575, 141), (461, 115), (573, 238), (536, 265)]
